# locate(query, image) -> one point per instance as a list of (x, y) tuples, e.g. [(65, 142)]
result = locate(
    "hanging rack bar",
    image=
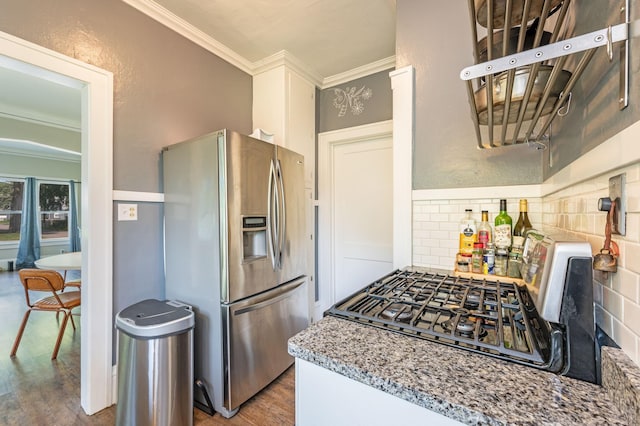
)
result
[(551, 51), (522, 34), (533, 74), (474, 114), (560, 20), (555, 73), (474, 31), (505, 28), (623, 93), (584, 61)]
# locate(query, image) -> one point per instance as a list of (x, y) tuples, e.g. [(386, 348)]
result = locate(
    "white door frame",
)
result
[(96, 86), (327, 142)]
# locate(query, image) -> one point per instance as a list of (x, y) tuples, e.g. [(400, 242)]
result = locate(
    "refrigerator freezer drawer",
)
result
[(258, 329)]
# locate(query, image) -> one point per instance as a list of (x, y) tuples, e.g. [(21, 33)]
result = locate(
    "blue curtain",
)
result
[(74, 230), (29, 247)]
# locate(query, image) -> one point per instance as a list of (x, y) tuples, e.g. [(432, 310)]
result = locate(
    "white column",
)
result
[(402, 84)]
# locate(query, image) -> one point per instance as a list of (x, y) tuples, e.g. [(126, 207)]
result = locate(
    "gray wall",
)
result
[(594, 116), (435, 37), (377, 108), (167, 89)]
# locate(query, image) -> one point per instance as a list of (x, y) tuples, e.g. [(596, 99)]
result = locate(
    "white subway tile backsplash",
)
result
[(440, 217), (449, 208), (627, 284), (574, 209), (633, 197), (612, 302), (604, 320), (633, 227), (625, 338), (631, 257), (632, 316)]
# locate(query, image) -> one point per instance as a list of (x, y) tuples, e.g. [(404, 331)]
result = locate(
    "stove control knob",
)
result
[(604, 204)]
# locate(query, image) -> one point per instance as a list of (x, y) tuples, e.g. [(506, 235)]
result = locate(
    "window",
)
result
[(10, 209), (54, 210)]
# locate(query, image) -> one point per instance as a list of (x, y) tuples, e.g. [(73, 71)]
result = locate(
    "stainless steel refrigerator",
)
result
[(235, 251)]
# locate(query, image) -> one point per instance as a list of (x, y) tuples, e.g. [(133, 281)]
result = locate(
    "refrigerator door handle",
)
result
[(272, 217), (283, 293), (282, 219)]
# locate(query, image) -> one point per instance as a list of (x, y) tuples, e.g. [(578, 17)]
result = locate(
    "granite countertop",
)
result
[(469, 387)]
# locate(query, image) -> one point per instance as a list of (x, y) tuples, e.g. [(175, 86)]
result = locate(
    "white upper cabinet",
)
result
[(284, 104)]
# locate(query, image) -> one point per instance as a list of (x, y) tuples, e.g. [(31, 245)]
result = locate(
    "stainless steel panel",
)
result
[(258, 330), (245, 180), (155, 380), (192, 249), (293, 247)]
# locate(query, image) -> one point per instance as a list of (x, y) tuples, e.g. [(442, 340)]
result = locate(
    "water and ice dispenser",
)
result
[(254, 238)]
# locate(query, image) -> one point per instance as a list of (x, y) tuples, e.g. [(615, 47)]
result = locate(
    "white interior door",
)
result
[(355, 192), (362, 210)]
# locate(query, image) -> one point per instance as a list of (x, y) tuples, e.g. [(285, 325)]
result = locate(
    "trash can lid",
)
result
[(155, 318)]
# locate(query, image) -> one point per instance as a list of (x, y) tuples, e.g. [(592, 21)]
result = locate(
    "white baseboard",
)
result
[(114, 384)]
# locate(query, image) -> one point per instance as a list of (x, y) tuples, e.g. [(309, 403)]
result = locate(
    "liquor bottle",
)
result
[(484, 230), (502, 229), (523, 224), (468, 233)]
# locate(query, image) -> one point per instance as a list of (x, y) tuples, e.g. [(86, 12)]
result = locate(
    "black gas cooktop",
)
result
[(496, 318)]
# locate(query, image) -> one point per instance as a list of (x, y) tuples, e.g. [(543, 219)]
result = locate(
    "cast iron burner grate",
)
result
[(493, 318)]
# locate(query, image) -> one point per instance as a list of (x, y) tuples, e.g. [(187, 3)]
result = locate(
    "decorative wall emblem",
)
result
[(351, 99)]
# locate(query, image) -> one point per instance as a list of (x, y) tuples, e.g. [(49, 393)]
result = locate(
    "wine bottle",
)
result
[(502, 228), (523, 224), (484, 230)]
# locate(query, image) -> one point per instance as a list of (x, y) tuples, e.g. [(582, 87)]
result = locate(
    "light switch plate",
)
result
[(618, 194), (127, 212)]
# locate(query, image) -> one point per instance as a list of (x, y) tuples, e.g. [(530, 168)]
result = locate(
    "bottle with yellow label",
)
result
[(468, 233)]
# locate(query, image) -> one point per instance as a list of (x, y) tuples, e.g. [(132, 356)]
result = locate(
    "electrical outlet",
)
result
[(618, 194), (127, 212)]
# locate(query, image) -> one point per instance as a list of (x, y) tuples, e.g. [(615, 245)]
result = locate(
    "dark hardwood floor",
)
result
[(34, 390)]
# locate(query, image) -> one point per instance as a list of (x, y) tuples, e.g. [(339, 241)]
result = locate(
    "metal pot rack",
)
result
[(506, 132)]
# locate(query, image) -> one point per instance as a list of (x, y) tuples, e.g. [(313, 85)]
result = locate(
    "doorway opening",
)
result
[(96, 86)]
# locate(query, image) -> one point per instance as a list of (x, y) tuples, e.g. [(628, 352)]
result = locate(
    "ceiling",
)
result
[(39, 100), (30, 99), (326, 37)]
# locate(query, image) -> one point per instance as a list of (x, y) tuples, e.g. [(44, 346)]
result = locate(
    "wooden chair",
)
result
[(74, 282), (51, 282), (77, 283)]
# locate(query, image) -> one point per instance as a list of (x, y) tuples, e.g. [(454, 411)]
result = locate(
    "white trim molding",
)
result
[(359, 72), (617, 152), (487, 192), (185, 29), (327, 141), (403, 86), (143, 197), (96, 87)]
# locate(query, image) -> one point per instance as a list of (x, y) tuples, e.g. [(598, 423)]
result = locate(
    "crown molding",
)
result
[(185, 29), (283, 57), (40, 119), (359, 72)]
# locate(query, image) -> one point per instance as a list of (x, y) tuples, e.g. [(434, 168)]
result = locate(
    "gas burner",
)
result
[(397, 312), (465, 327), (459, 310), (472, 299)]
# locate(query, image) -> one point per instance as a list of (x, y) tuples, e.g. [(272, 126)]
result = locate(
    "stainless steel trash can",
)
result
[(155, 364)]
